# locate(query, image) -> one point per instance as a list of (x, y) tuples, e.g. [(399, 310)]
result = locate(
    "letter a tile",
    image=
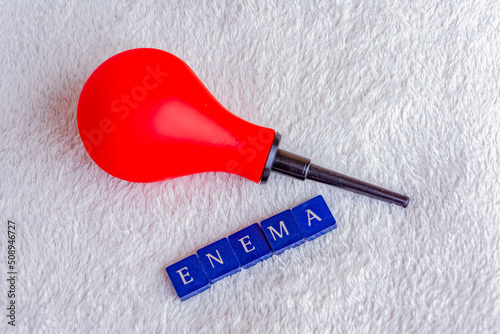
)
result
[(314, 217), (250, 245), (188, 277), (218, 260), (282, 231)]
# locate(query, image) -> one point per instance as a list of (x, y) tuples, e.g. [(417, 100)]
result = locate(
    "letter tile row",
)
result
[(250, 245)]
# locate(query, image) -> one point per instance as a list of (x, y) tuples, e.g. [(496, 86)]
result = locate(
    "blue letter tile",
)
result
[(188, 277), (314, 217), (282, 231), (218, 260), (250, 245)]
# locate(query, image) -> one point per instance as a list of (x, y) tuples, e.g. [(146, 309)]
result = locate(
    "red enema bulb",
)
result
[(144, 116)]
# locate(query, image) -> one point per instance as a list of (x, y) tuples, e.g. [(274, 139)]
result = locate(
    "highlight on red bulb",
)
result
[(144, 116)]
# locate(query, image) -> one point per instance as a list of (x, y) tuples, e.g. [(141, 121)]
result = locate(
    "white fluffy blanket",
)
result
[(403, 94)]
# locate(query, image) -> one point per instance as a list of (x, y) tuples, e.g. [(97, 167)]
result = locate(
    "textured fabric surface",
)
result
[(403, 94)]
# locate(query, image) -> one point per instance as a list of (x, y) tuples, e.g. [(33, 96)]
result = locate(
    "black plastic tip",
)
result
[(301, 168)]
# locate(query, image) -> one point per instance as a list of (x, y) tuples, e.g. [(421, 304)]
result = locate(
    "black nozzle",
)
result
[(301, 168)]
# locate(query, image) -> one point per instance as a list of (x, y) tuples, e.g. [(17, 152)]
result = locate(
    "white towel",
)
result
[(401, 94)]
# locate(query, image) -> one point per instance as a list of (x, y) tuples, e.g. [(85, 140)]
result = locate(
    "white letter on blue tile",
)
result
[(310, 216), (282, 227), (245, 244), (210, 257), (184, 275)]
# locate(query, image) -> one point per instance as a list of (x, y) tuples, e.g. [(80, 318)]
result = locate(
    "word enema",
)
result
[(250, 245)]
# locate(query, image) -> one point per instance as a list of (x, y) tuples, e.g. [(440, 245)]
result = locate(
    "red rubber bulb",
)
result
[(144, 116)]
